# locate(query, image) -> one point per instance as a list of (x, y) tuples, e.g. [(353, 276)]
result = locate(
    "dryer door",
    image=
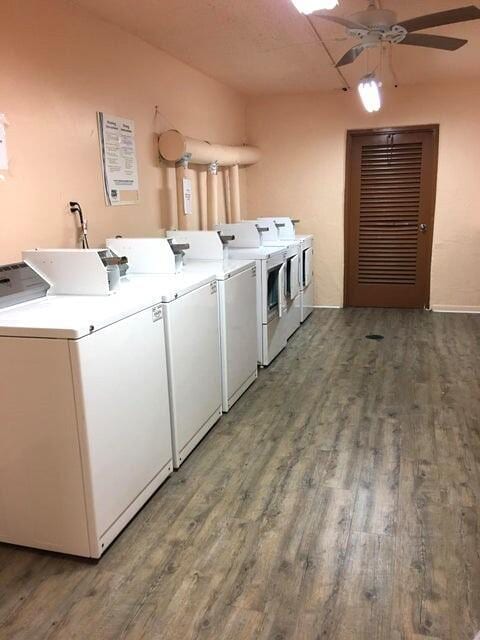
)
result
[(307, 266), (274, 291), (282, 296), (292, 277)]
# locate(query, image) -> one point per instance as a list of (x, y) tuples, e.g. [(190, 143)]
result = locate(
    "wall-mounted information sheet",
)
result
[(187, 197), (119, 159)]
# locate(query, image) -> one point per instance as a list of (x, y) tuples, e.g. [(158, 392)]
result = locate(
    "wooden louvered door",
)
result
[(391, 181)]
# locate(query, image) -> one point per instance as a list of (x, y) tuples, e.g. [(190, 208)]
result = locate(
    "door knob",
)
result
[(422, 227)]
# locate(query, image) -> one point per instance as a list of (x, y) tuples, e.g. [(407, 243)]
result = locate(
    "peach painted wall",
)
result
[(302, 173), (59, 66)]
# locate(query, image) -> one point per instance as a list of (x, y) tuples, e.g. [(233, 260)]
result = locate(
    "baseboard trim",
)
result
[(327, 306), (451, 308), (445, 308)]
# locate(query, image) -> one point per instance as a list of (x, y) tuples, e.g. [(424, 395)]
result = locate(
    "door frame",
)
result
[(351, 135)]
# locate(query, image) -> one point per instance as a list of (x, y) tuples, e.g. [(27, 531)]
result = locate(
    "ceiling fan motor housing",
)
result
[(380, 24)]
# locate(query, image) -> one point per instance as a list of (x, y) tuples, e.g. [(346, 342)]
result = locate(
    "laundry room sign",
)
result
[(119, 159)]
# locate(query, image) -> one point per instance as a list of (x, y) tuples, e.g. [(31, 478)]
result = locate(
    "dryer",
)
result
[(271, 299), (286, 231), (269, 232), (190, 310), (84, 412), (236, 279)]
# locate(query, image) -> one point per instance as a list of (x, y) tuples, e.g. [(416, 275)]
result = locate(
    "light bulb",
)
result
[(369, 90), (310, 6)]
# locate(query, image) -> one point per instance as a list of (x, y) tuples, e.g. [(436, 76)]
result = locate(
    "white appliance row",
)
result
[(285, 282), (125, 375), (283, 229), (119, 389)]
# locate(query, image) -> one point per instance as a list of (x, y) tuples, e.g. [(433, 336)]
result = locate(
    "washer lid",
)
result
[(305, 238), (256, 253), (293, 247), (221, 269), (72, 317), (168, 287)]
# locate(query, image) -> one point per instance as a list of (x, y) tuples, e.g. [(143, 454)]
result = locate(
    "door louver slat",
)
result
[(390, 197)]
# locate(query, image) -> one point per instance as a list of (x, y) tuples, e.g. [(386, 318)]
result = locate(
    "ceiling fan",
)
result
[(374, 26)]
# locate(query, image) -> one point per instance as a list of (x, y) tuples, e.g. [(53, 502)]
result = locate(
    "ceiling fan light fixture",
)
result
[(369, 91), (310, 6)]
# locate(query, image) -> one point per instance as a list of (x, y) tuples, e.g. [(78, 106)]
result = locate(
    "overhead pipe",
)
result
[(173, 146)]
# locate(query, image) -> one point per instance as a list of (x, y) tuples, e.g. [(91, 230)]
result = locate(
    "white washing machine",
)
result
[(84, 412), (271, 300), (286, 231), (236, 279), (190, 309)]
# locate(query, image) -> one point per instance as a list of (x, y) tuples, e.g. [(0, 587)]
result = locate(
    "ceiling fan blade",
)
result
[(462, 14), (351, 55), (339, 20), (435, 42)]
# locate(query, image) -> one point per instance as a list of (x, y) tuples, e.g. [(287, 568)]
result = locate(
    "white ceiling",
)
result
[(266, 46)]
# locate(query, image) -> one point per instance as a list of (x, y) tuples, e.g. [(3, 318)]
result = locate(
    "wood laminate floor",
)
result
[(338, 500)]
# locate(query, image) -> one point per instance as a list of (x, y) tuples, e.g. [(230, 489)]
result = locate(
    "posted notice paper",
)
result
[(187, 196), (120, 174)]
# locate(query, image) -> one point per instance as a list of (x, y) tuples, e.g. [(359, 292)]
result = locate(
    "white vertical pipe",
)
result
[(227, 196), (171, 187), (181, 170), (212, 195), (234, 193), (203, 199)]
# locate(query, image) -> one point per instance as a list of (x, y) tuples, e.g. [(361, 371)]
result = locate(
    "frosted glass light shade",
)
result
[(369, 90), (310, 6)]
